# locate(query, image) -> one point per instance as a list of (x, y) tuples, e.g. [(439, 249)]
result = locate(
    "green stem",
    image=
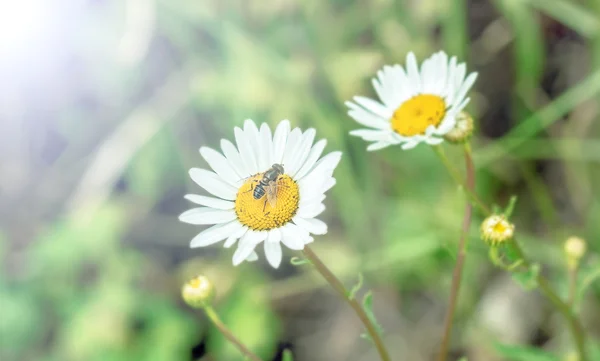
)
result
[(473, 197), (573, 322), (460, 260), (216, 320), (339, 287)]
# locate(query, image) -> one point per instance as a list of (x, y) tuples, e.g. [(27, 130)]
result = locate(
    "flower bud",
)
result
[(463, 129), (574, 249), (496, 229), (198, 292)]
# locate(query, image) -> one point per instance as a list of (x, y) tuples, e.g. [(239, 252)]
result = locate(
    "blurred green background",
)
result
[(104, 104)]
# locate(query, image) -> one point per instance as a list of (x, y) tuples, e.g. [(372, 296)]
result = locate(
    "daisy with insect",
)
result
[(416, 105), (267, 188)]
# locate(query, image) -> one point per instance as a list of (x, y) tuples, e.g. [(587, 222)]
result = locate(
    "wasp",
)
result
[(268, 185)]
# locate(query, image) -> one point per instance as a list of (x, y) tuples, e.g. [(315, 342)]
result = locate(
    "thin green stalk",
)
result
[(573, 322), (360, 312), (460, 260), (216, 320), (474, 198), (572, 286)]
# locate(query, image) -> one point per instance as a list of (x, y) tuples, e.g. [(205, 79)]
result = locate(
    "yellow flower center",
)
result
[(417, 114), (499, 227), (267, 212)]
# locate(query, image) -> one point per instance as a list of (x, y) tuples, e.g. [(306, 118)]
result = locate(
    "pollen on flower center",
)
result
[(259, 214), (415, 115)]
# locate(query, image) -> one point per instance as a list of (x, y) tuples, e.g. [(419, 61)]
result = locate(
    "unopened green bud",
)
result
[(198, 292), (463, 129)]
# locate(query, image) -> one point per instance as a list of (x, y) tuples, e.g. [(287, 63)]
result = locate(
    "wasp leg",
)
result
[(265, 205), (251, 188)]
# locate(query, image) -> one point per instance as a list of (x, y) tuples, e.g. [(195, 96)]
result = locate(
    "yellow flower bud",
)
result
[(574, 249), (198, 292), (496, 229), (463, 129)]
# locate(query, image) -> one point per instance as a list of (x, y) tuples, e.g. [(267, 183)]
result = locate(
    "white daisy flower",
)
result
[(416, 105), (244, 208)]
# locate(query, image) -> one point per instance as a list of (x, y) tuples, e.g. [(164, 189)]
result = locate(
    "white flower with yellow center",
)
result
[(416, 105), (253, 201)]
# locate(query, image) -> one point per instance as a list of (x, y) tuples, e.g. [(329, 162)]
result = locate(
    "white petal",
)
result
[(235, 236), (273, 248), (253, 136), (246, 151), (442, 77), (210, 201), (215, 234), (312, 158), (311, 211), (279, 140), (382, 92), (301, 152), (252, 257), (446, 125), (434, 140), (233, 156), (220, 165), (329, 184), (206, 215), (247, 244), (374, 107), (409, 145), (312, 225), (413, 72), (373, 135), (265, 151), (466, 86), (293, 139), (367, 118), (212, 183), (293, 236), (325, 165), (404, 89), (377, 146)]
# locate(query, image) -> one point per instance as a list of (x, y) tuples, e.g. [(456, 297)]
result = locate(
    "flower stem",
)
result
[(460, 260), (573, 322), (572, 286), (474, 198), (216, 320), (339, 287)]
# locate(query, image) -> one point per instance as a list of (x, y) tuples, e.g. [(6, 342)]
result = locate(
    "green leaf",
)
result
[(287, 355), (297, 261), (352, 294), (528, 279), (524, 353), (462, 359), (576, 17), (368, 307)]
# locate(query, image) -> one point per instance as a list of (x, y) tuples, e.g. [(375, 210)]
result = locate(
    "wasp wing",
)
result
[(271, 191)]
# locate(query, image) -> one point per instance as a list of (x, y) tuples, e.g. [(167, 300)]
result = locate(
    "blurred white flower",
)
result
[(496, 229), (280, 211), (416, 105)]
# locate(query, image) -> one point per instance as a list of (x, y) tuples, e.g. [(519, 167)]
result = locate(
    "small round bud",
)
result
[(463, 129), (198, 292), (575, 248), (495, 229)]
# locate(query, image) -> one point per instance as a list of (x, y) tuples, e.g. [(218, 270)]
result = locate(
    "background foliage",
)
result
[(103, 110)]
